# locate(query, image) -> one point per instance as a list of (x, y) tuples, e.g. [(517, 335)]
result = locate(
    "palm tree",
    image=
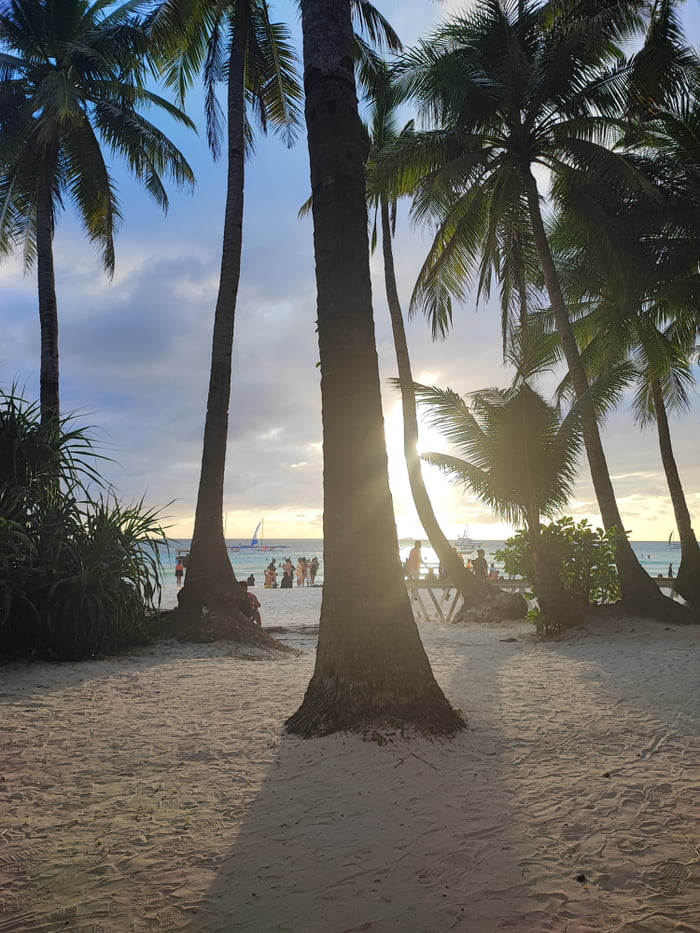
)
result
[(234, 43), (71, 85), (383, 134), (370, 665), (521, 462), (634, 281), (514, 86)]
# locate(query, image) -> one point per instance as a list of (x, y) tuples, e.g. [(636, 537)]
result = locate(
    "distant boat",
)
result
[(256, 543), (464, 542), (673, 544)]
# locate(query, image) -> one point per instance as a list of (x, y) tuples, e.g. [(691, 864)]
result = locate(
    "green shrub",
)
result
[(78, 570), (584, 555)]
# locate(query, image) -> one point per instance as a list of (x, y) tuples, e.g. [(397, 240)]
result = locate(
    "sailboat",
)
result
[(673, 544), (256, 543)]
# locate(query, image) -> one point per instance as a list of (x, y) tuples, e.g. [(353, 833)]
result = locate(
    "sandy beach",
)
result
[(157, 791)]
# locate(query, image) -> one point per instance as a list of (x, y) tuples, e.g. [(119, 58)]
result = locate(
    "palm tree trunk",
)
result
[(474, 592), (210, 582), (554, 601), (48, 308), (371, 667), (639, 592), (688, 576)]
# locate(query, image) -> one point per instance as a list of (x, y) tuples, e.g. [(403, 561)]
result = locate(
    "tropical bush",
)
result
[(584, 556), (79, 572)]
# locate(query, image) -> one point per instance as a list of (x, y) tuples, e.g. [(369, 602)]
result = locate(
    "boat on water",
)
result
[(674, 545), (465, 543), (256, 543)]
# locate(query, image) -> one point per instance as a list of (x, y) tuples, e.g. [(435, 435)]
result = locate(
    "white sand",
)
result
[(157, 792)]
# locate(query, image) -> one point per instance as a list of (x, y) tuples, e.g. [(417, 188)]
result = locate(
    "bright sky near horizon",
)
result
[(135, 351)]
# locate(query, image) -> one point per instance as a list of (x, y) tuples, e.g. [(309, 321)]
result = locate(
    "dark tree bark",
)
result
[(211, 597), (49, 400), (640, 594), (688, 576), (474, 592), (553, 599), (371, 668)]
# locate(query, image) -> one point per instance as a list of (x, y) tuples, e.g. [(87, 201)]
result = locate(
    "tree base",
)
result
[(497, 606), (687, 582), (330, 706), (660, 609), (187, 623)]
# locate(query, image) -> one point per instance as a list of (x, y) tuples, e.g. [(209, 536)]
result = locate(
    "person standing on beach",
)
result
[(481, 568), (313, 569), (413, 562), (179, 571), (287, 574)]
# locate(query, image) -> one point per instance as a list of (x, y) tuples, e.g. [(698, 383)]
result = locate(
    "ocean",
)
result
[(654, 556)]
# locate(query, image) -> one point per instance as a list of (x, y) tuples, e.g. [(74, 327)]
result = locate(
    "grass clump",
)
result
[(79, 570)]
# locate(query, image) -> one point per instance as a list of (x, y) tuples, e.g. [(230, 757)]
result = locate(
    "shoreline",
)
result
[(157, 791)]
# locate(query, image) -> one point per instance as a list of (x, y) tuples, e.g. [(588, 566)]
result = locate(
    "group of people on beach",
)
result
[(479, 566), (305, 573)]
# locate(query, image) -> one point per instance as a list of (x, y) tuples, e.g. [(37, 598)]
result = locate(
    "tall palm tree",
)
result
[(234, 43), (71, 86), (383, 134), (634, 281), (514, 86), (521, 462), (370, 665)]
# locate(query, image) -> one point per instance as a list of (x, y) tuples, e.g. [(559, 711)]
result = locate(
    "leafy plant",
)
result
[(78, 570), (584, 557)]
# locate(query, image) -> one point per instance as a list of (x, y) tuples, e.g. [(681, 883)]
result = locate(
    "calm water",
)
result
[(654, 556)]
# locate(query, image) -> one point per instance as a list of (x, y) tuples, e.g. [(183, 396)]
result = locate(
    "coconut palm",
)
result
[(71, 87), (370, 665), (383, 134), (519, 459), (633, 278), (237, 45), (514, 86)]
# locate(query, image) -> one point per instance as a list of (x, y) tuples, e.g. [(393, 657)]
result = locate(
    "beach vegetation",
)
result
[(371, 670), (72, 90), (511, 93), (583, 557), (79, 572), (234, 45), (631, 282), (519, 457), (384, 133)]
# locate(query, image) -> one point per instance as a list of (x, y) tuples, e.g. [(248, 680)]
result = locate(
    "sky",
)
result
[(135, 351)]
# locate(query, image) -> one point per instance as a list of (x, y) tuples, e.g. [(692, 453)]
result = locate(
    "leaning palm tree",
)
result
[(234, 44), (384, 134), (370, 665), (634, 281), (519, 459), (514, 86), (71, 87)]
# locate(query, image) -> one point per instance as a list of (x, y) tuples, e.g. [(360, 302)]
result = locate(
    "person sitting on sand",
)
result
[(253, 604)]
